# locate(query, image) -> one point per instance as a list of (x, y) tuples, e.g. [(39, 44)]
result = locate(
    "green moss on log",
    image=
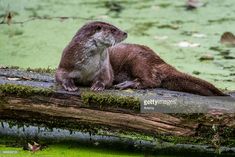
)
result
[(23, 91), (41, 70), (101, 99)]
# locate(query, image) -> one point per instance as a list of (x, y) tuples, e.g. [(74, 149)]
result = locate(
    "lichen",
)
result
[(104, 99), (23, 91)]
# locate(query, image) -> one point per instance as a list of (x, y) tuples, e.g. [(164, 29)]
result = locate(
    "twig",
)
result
[(47, 18)]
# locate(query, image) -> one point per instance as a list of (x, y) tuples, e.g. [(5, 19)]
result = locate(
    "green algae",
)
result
[(101, 99), (39, 43), (68, 149), (23, 91)]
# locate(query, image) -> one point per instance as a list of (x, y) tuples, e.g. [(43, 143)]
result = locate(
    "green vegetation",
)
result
[(65, 150), (100, 99), (24, 91)]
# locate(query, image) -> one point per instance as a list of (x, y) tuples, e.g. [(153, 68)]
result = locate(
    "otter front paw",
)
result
[(69, 86), (98, 86)]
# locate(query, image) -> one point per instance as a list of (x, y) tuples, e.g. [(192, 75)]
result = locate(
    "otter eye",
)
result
[(98, 28), (113, 30)]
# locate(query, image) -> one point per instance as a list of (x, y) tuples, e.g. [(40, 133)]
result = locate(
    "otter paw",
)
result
[(70, 86), (98, 86)]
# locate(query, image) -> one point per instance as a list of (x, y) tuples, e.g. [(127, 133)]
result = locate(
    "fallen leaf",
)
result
[(228, 39), (35, 147), (186, 44), (160, 37), (30, 147), (194, 4), (198, 35)]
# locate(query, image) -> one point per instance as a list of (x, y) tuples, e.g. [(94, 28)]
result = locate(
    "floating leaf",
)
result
[(229, 57), (196, 72), (198, 35), (186, 44), (9, 18), (228, 39), (194, 4), (103, 17), (160, 37), (170, 26), (206, 57)]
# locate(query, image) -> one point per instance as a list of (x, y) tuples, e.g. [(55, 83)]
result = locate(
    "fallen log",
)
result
[(33, 98)]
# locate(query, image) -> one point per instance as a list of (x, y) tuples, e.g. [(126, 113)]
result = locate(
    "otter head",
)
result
[(102, 34)]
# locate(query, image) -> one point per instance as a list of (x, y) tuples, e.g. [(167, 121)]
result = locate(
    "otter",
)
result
[(85, 59), (138, 66)]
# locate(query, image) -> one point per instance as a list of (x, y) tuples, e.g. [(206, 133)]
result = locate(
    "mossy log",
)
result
[(27, 96)]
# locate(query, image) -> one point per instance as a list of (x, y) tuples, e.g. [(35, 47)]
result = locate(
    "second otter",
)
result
[(137, 66)]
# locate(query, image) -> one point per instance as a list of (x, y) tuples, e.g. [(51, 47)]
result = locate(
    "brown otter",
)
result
[(137, 66), (85, 59)]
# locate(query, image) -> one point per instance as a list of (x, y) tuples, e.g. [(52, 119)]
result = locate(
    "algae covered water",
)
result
[(39, 30), (33, 34)]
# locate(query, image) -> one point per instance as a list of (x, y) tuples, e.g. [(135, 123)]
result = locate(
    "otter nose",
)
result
[(125, 34)]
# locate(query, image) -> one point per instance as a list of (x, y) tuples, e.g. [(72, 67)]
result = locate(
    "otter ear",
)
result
[(98, 28)]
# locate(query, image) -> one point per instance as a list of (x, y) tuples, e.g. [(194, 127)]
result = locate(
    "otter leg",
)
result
[(104, 77), (67, 83)]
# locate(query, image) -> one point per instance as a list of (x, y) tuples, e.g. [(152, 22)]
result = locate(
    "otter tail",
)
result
[(186, 83)]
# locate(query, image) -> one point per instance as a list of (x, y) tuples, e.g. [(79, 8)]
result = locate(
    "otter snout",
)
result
[(122, 36), (125, 35)]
